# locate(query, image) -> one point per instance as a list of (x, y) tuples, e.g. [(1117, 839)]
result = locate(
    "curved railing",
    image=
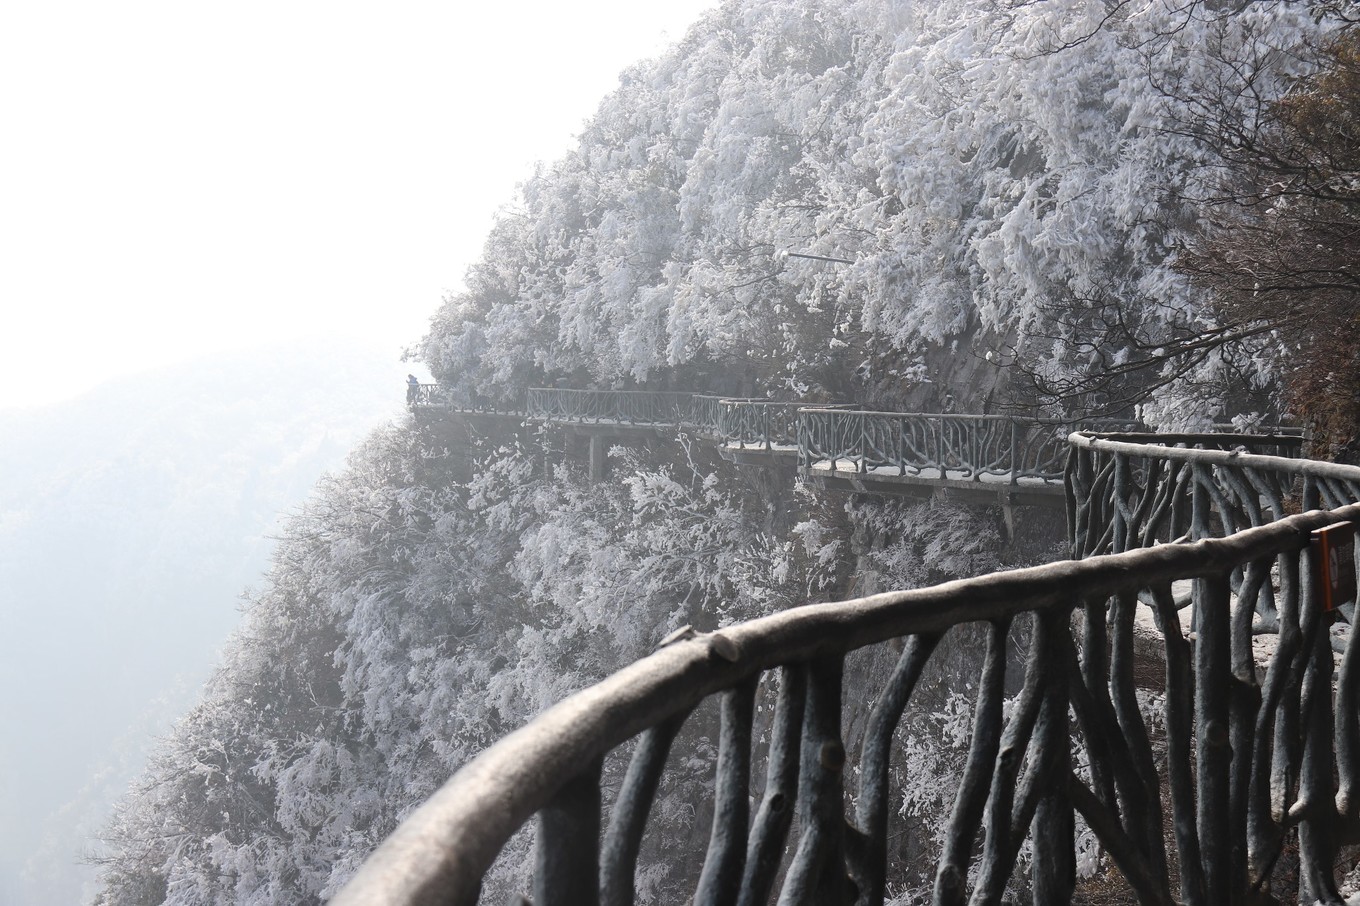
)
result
[(759, 424), (1252, 766), (980, 448), (624, 407), (1137, 490), (996, 448)]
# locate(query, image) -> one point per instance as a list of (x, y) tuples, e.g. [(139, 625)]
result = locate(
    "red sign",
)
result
[(1333, 555)]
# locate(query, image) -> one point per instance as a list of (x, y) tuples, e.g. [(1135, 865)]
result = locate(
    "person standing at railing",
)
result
[(412, 389)]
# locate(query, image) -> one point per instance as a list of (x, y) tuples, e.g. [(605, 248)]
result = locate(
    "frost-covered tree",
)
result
[(978, 185), (1279, 243)]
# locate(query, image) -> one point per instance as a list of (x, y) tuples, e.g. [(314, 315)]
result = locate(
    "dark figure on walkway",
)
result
[(412, 388)]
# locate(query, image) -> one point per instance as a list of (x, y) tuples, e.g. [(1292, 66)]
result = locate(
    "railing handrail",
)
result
[(962, 416), (1154, 449), (570, 391)]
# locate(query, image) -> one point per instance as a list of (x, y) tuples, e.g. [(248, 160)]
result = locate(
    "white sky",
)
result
[(183, 178)]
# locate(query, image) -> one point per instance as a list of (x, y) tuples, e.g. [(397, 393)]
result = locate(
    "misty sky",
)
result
[(180, 179)]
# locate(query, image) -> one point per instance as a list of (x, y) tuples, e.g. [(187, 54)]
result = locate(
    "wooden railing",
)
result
[(623, 407), (1251, 767), (997, 448), (705, 414), (759, 424), (1137, 490), (838, 438), (1289, 741), (427, 395)]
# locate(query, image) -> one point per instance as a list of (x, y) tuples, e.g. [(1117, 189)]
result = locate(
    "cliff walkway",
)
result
[(1000, 457), (1249, 764)]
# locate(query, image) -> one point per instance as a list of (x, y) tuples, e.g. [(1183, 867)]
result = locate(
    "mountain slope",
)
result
[(131, 520)]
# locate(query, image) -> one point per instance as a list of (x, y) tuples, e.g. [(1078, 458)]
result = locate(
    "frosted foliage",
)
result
[(409, 621), (984, 167), (917, 544)]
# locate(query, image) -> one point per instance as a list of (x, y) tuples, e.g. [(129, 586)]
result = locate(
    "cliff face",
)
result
[(978, 175)]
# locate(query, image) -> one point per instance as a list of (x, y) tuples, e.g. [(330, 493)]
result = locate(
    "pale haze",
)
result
[(219, 228), (181, 179)]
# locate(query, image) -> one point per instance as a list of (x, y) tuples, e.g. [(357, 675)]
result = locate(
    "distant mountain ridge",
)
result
[(131, 521)]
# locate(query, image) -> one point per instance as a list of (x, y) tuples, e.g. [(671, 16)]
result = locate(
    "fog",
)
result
[(221, 227), (146, 509)]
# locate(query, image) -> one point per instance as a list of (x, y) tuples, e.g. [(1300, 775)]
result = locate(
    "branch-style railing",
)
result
[(1252, 767), (1294, 735), (982, 448), (759, 424), (624, 407), (705, 414), (436, 396), (427, 395), (1137, 490), (997, 448)]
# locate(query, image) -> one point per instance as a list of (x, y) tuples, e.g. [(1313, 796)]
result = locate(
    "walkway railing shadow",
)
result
[(1253, 765)]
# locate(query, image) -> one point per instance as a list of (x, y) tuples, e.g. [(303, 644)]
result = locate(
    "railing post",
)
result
[(1213, 752), (1054, 872), (863, 443), (975, 448), (770, 829), (939, 445), (1015, 451), (901, 445), (567, 852), (622, 840), (720, 879), (800, 432), (817, 873), (871, 807), (1312, 497), (1316, 804)]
